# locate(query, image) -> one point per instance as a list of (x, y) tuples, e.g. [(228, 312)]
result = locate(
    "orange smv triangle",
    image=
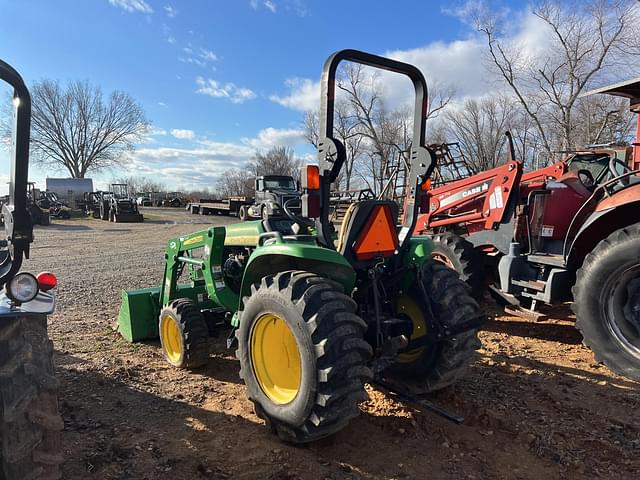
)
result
[(379, 237)]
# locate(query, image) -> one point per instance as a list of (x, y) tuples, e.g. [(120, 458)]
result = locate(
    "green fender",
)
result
[(279, 255), (417, 253)]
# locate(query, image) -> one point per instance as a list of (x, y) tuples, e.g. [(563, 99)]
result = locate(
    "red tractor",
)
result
[(566, 232)]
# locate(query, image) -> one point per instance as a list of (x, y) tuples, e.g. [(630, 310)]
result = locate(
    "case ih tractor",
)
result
[(30, 424), (316, 313), (566, 232)]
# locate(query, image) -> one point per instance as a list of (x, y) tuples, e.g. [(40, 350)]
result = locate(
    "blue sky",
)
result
[(220, 79)]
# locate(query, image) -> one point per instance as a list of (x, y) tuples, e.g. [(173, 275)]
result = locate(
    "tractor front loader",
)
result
[(316, 313), (568, 232), (30, 424), (118, 206)]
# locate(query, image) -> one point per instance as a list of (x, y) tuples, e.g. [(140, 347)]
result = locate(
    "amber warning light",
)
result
[(310, 183)]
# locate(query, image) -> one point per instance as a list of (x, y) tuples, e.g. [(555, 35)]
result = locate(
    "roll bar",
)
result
[(332, 154), (17, 221)]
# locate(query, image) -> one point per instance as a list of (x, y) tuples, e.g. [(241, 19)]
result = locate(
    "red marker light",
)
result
[(46, 281)]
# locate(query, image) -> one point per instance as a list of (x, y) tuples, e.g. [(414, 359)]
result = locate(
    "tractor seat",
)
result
[(369, 232)]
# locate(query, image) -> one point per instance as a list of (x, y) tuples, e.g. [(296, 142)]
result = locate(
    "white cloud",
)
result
[(460, 64), (171, 40), (162, 104), (464, 11), (271, 5), (229, 90), (132, 5), (158, 132), (183, 134), (304, 94), (272, 137), (197, 167), (208, 55), (170, 11), (193, 60), (202, 58)]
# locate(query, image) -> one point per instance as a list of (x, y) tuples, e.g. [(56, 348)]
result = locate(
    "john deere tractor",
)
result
[(30, 424), (317, 313)]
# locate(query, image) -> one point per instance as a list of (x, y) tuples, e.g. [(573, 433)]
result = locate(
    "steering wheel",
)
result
[(586, 178), (303, 222), (614, 172)]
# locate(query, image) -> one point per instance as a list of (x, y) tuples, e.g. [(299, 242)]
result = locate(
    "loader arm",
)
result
[(480, 199)]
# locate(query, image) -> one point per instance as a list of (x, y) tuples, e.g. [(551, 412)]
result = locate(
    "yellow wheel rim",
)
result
[(171, 338), (275, 358), (408, 306)]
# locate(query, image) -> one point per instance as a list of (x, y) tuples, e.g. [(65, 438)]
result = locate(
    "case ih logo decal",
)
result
[(464, 194)]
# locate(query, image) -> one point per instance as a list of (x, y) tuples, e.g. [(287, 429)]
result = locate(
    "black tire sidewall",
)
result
[(272, 301), (591, 287), (242, 213)]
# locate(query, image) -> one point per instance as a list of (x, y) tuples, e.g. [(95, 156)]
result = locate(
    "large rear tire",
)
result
[(459, 254), (302, 355), (607, 301), (184, 335), (30, 423), (442, 364), (104, 210)]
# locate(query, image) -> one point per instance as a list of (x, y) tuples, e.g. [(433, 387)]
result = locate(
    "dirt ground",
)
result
[(535, 403)]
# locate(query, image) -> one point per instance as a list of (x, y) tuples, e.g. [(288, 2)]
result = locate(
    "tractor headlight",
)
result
[(22, 288)]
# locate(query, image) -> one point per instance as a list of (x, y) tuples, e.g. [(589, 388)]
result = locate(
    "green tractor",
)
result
[(317, 313)]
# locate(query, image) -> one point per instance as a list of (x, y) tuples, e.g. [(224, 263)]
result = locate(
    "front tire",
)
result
[(183, 334), (242, 213), (438, 366), (30, 422), (302, 355), (607, 301)]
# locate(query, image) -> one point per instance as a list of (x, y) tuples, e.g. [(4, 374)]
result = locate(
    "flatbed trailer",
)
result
[(227, 206)]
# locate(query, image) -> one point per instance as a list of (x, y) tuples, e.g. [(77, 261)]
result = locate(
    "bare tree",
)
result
[(74, 128), (479, 127), (136, 185), (278, 160), (603, 119), (235, 182), (347, 130), (586, 38)]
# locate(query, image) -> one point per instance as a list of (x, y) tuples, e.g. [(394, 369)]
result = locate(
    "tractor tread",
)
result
[(586, 290), (451, 303), (341, 353), (196, 334), (30, 422), (466, 260)]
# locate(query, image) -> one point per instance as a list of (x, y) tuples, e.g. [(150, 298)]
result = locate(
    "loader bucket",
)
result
[(140, 309), (129, 218), (138, 318)]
